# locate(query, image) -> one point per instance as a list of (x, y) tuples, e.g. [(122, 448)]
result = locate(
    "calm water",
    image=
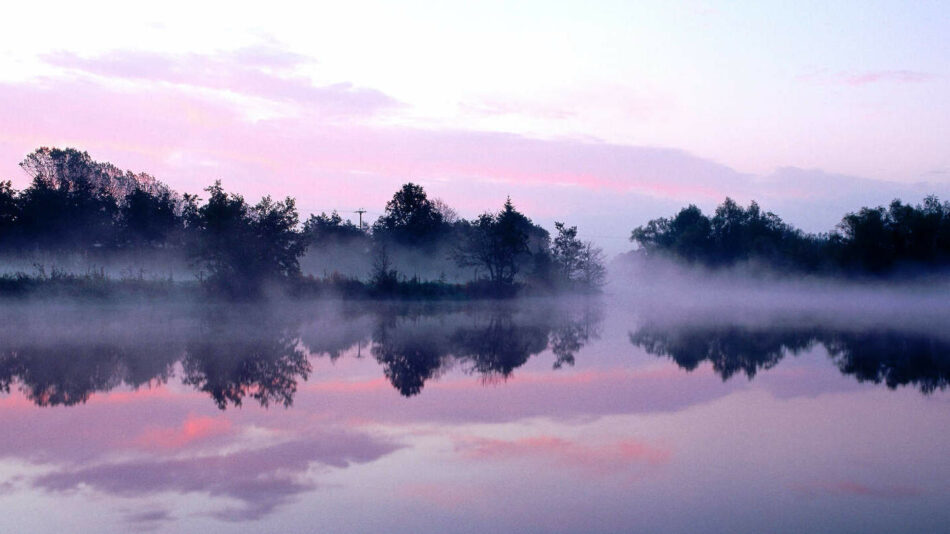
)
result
[(535, 416)]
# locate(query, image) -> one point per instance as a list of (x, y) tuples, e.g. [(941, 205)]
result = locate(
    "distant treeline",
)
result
[(77, 206), (871, 241)]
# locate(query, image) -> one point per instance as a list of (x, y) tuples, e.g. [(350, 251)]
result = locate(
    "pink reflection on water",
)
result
[(593, 459), (856, 489), (193, 429), (442, 494)]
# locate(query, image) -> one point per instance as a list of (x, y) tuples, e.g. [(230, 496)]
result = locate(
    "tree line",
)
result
[(874, 241), (75, 205)]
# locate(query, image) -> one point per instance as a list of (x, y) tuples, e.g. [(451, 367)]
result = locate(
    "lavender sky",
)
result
[(602, 114)]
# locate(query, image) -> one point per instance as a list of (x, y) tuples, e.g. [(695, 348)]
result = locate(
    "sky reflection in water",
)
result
[(538, 416)]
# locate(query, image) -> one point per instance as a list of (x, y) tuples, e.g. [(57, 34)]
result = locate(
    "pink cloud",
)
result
[(494, 107), (187, 140), (858, 79), (349, 386), (896, 76), (264, 73), (449, 496)]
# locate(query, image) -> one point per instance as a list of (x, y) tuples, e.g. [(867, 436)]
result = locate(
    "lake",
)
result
[(801, 413)]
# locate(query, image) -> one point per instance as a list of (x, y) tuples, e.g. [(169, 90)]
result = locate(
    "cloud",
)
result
[(495, 107), (858, 79), (259, 72), (895, 76)]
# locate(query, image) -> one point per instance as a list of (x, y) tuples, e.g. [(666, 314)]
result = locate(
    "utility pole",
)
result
[(361, 211)]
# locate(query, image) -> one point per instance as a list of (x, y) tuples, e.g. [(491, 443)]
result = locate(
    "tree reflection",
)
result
[(498, 344), (574, 330), (729, 349), (64, 372), (409, 356), (238, 353), (893, 357), (262, 361), (491, 340), (227, 355)]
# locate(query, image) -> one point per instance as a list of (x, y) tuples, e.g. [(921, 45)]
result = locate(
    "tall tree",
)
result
[(9, 214), (241, 247), (496, 242), (411, 218), (579, 264)]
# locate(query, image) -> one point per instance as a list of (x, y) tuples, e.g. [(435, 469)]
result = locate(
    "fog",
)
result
[(671, 291), (356, 259)]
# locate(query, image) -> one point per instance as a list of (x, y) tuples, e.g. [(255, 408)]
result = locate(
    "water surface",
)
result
[(572, 415)]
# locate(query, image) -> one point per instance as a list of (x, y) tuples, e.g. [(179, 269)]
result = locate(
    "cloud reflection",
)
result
[(260, 479)]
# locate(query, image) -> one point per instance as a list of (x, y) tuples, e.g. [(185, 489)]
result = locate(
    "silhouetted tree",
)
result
[(9, 214), (871, 240), (880, 239), (411, 218), (686, 236), (322, 230), (151, 219), (566, 251), (72, 201), (579, 265), (384, 278), (243, 247), (279, 245), (496, 242), (592, 271)]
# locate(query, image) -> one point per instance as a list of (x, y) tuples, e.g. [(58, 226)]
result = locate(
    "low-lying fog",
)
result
[(661, 291)]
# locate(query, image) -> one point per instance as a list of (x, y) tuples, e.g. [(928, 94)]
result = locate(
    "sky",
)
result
[(600, 114)]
